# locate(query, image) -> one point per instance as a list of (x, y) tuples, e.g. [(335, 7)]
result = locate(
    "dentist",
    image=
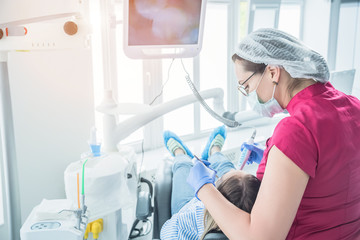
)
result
[(310, 169)]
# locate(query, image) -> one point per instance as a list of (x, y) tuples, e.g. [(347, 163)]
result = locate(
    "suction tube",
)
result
[(226, 121)]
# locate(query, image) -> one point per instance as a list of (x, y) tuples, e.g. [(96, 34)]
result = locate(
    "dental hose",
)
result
[(227, 122), (245, 154), (78, 190), (83, 187)]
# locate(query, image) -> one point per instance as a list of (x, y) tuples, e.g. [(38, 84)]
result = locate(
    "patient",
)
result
[(190, 220)]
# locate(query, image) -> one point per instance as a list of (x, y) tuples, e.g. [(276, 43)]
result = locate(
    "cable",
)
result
[(78, 189), (161, 92), (162, 88), (140, 179), (226, 121), (144, 180), (149, 228), (142, 160), (134, 229), (138, 231)]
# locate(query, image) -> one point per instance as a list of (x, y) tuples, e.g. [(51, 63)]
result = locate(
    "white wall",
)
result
[(356, 86), (18, 10), (348, 42), (316, 35), (346, 36), (53, 110), (316, 25)]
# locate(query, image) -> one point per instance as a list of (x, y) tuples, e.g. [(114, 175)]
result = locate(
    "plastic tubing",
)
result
[(83, 171), (227, 122), (78, 190)]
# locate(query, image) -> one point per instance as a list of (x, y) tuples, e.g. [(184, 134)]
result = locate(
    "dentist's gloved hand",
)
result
[(206, 162), (200, 175), (257, 152)]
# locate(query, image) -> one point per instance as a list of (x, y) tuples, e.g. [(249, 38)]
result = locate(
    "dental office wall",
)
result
[(316, 25), (348, 41), (52, 103), (316, 34), (18, 10), (347, 47)]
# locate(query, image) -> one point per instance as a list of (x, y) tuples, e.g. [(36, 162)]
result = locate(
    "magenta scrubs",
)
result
[(322, 137)]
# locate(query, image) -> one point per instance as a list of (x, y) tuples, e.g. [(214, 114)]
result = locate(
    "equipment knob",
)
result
[(70, 28)]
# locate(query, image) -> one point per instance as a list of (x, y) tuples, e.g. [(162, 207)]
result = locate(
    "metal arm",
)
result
[(114, 132)]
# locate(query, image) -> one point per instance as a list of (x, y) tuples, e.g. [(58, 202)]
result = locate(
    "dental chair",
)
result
[(162, 201)]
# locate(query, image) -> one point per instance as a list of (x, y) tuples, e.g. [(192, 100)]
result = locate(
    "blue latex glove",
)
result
[(206, 162), (200, 175), (257, 152)]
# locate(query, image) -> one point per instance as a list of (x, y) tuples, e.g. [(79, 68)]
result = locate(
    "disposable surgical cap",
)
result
[(274, 47)]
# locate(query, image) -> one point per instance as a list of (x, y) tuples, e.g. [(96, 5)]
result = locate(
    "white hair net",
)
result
[(274, 47)]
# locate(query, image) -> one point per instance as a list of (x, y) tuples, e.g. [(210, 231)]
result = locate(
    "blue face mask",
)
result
[(267, 109)]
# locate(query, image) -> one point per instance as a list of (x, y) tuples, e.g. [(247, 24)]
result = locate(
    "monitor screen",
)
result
[(163, 28)]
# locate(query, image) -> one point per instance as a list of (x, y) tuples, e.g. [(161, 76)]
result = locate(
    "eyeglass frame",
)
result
[(241, 87)]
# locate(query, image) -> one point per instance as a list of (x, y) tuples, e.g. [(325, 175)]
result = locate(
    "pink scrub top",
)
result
[(322, 137)]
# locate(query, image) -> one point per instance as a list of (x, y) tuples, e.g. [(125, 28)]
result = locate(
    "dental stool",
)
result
[(162, 201)]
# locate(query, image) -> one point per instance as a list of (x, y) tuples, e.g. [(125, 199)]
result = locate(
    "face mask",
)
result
[(268, 109)]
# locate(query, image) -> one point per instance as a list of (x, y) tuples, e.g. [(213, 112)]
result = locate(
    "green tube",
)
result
[(83, 171)]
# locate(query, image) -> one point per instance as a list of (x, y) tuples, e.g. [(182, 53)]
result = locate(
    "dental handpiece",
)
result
[(245, 154)]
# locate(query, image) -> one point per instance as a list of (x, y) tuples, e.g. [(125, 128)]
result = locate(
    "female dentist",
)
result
[(310, 169)]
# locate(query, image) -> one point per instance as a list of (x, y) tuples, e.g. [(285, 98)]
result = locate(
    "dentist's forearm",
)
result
[(234, 222)]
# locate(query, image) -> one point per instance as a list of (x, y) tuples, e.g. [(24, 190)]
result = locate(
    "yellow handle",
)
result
[(96, 228)]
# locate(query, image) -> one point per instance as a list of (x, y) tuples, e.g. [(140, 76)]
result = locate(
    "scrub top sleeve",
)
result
[(293, 139)]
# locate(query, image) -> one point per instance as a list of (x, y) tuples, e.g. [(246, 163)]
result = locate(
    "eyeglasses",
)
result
[(245, 90)]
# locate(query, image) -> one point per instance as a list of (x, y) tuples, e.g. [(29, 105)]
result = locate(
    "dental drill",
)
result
[(245, 154)]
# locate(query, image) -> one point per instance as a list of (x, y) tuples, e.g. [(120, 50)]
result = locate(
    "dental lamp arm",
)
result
[(114, 133)]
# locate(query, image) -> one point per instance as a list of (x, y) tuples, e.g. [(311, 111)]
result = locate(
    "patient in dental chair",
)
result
[(190, 219)]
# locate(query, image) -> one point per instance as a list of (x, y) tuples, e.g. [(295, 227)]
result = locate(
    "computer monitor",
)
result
[(163, 28)]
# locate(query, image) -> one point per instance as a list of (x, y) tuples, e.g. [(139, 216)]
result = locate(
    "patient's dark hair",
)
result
[(240, 190)]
